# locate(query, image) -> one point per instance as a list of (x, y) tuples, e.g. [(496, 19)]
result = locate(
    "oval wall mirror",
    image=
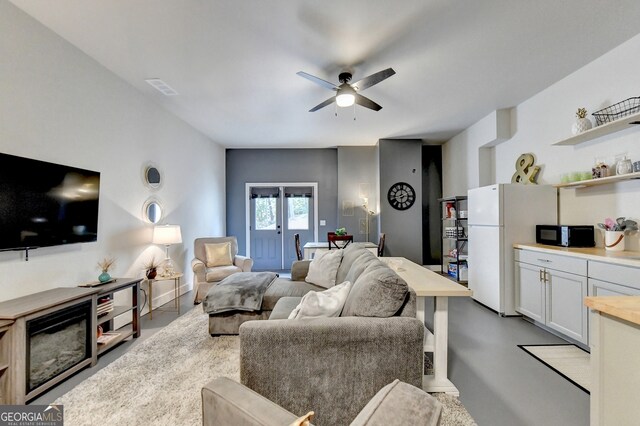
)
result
[(152, 176), (152, 211)]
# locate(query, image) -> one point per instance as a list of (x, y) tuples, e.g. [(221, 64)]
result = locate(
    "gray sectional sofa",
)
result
[(334, 366)]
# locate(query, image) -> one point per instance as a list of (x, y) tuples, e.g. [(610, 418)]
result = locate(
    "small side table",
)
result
[(176, 288)]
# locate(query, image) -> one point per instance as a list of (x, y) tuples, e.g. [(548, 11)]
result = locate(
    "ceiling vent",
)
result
[(161, 87)]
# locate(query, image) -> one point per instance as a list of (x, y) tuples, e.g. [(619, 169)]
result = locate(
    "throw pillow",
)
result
[(326, 303), (304, 420), (218, 254), (401, 404), (378, 292), (323, 268)]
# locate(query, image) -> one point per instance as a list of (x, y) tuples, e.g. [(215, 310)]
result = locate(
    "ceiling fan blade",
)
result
[(372, 79), (317, 80), (324, 104), (367, 103)]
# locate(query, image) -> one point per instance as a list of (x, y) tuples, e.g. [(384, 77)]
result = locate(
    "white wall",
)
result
[(59, 105), (546, 118)]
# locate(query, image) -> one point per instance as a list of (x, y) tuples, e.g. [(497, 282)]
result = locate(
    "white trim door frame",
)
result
[(281, 185)]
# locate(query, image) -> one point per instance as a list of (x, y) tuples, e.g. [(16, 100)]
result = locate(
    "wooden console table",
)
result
[(427, 283), (14, 315)]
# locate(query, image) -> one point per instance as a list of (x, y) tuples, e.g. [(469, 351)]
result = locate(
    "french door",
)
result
[(277, 212)]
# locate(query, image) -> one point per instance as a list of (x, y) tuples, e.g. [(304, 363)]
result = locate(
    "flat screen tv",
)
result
[(44, 204)]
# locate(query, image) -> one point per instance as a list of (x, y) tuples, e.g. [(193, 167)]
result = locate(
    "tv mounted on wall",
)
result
[(44, 204)]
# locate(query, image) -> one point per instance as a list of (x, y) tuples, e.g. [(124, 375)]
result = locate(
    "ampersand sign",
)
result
[(526, 171)]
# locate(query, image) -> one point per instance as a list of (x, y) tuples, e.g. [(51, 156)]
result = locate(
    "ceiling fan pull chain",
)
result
[(354, 112), (336, 113)]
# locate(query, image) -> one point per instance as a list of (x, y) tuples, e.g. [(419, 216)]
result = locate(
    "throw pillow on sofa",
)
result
[(326, 303), (218, 254), (323, 268), (378, 292)]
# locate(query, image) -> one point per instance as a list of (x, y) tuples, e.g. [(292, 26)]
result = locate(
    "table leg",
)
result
[(439, 382), (177, 295), (150, 299)]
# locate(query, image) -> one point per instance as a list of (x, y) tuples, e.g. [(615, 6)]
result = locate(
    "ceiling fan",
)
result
[(347, 93)]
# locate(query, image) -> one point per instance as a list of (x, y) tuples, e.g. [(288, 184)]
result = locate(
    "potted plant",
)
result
[(104, 265), (151, 268)]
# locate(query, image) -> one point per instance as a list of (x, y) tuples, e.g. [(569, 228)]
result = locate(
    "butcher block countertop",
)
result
[(623, 307), (598, 254)]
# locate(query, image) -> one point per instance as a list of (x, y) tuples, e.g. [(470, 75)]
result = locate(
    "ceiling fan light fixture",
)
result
[(345, 97)]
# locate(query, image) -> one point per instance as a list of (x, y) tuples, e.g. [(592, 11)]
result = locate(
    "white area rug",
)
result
[(569, 361), (158, 382)]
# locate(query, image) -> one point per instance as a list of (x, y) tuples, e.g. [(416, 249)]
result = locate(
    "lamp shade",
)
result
[(167, 234), (345, 97)]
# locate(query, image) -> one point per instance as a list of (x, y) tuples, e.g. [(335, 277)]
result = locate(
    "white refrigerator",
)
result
[(499, 216)]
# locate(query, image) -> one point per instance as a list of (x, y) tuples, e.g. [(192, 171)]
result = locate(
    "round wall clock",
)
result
[(401, 196)]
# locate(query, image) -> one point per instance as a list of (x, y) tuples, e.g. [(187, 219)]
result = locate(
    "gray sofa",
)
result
[(227, 403), (334, 366)]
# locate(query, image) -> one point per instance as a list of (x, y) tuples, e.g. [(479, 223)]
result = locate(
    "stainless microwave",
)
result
[(566, 235)]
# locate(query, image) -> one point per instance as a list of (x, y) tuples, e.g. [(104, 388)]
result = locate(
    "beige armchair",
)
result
[(204, 278)]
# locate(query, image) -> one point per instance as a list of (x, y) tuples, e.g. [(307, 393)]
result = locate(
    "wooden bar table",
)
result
[(427, 283)]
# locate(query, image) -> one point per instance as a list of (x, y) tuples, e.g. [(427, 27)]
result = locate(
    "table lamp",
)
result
[(167, 235)]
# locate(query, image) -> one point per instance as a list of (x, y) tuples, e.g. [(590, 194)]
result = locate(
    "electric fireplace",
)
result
[(56, 342)]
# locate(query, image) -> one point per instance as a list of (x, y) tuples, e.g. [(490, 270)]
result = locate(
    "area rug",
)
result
[(570, 361), (158, 381)]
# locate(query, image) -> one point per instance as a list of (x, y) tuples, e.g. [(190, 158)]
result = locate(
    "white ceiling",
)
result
[(234, 62)]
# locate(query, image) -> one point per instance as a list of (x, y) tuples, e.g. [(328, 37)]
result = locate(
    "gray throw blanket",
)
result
[(238, 292)]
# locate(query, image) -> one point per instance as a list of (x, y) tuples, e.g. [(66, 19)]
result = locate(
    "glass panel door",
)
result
[(266, 235), (298, 219)]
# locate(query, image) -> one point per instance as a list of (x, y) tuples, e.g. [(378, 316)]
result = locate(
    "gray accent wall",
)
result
[(280, 166), (357, 171), (401, 161)]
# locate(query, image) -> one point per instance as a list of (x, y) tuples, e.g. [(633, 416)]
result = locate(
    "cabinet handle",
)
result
[(545, 260), (546, 280), (540, 275)]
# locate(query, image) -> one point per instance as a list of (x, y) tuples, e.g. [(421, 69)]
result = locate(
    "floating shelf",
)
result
[(605, 129), (599, 181)]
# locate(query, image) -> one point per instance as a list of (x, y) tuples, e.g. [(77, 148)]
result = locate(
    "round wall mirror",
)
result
[(152, 211), (152, 177)]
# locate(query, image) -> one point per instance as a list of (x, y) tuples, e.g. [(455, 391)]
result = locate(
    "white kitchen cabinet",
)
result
[(550, 289), (530, 294)]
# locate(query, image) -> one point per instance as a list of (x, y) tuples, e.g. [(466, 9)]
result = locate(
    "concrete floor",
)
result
[(499, 383)]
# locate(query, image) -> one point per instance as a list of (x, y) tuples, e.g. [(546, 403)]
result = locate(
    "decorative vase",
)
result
[(581, 125), (151, 273), (614, 240), (104, 277)]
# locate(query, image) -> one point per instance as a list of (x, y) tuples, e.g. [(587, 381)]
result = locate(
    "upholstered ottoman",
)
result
[(229, 322)]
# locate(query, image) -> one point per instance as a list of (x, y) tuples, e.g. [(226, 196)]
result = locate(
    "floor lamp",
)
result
[(167, 235)]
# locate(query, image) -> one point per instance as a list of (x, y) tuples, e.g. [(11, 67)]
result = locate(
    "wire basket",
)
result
[(616, 111)]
